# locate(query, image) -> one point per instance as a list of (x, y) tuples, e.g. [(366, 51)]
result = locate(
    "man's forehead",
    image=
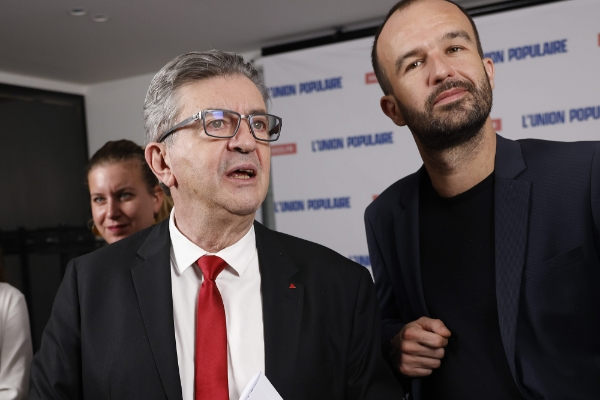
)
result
[(236, 93), (421, 22)]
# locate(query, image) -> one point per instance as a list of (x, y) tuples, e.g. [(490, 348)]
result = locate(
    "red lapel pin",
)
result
[(292, 286)]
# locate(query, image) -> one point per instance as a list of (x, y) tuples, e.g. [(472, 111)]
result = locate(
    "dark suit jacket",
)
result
[(547, 219), (111, 332)]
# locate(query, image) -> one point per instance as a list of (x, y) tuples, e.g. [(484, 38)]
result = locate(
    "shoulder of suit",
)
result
[(541, 146), (116, 254), (302, 245), (306, 253), (550, 154), (390, 197)]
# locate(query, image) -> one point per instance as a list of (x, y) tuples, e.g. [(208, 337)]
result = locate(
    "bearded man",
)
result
[(486, 260)]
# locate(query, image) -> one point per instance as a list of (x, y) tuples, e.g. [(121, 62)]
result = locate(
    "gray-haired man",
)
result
[(195, 306)]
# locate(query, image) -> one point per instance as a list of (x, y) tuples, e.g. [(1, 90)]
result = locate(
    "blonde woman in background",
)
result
[(15, 341), (124, 193)]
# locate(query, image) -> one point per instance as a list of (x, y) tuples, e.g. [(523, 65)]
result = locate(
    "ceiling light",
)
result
[(78, 12), (100, 18)]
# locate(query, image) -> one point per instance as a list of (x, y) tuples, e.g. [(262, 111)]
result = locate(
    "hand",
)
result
[(419, 347)]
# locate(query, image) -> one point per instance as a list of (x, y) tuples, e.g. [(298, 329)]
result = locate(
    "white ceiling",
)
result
[(40, 38)]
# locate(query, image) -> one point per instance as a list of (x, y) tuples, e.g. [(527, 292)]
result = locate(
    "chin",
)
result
[(244, 208), (245, 211), (244, 202)]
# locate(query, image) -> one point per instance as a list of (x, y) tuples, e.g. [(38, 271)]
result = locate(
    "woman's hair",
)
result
[(120, 151), (165, 209)]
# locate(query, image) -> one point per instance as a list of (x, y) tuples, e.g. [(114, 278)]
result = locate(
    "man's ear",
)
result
[(488, 64), (389, 106), (158, 159)]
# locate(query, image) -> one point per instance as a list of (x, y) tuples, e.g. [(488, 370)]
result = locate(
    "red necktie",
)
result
[(211, 335)]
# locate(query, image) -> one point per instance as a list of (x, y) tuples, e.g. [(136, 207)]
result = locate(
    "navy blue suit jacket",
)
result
[(547, 221)]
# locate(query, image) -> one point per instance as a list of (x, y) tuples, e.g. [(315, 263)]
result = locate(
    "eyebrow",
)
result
[(258, 111), (253, 111), (448, 36)]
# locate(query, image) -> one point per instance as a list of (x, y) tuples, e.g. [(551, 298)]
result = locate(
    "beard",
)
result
[(453, 124)]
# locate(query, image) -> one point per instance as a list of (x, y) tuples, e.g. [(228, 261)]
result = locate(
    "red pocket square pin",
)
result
[(292, 286)]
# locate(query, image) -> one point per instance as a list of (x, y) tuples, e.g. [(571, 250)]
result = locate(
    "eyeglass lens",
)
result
[(221, 123)]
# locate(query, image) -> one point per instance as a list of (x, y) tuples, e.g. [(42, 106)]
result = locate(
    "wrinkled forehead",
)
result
[(420, 24), (236, 93)]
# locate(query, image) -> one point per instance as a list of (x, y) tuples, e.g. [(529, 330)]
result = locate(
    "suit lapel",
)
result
[(152, 281), (406, 227), (282, 309), (511, 226)]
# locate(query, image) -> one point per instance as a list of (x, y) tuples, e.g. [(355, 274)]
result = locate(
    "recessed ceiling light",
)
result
[(78, 12), (100, 18)]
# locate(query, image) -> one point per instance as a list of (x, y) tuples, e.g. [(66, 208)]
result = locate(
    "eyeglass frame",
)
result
[(200, 116)]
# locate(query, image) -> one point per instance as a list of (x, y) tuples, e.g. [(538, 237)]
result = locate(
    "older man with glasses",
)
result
[(194, 307)]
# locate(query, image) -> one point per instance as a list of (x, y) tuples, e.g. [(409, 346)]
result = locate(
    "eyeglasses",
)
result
[(225, 124)]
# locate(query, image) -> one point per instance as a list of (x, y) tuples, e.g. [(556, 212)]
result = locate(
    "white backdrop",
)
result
[(337, 149)]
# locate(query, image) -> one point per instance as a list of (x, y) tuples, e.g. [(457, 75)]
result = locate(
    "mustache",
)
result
[(240, 158), (447, 85)]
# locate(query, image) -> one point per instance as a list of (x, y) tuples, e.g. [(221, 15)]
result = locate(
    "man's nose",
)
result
[(243, 141), (440, 69)]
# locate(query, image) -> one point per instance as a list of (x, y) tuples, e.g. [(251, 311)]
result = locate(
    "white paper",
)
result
[(259, 388)]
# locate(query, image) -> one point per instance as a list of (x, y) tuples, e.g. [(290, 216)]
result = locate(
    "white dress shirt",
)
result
[(239, 284), (15, 344)]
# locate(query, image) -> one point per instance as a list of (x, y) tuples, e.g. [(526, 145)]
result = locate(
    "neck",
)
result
[(212, 231), (456, 170)]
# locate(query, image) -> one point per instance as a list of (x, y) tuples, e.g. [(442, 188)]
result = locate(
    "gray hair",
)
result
[(161, 106)]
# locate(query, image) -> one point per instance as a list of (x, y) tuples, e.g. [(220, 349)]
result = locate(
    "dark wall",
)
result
[(43, 149), (44, 201)]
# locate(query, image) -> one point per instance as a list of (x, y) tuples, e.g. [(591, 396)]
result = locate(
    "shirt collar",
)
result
[(184, 253)]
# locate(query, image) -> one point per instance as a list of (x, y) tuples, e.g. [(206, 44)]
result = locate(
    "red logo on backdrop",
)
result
[(375, 196), (497, 124), (283, 149), (370, 78)]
